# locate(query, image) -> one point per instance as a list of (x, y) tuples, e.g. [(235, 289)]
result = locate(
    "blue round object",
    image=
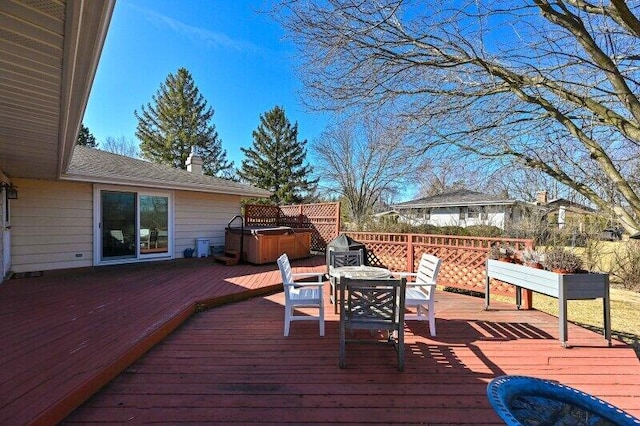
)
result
[(521, 400)]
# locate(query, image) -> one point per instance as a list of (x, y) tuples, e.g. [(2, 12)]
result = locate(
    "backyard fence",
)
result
[(322, 218), (463, 258)]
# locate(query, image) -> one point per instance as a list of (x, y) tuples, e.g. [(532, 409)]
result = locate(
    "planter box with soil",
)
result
[(564, 287)]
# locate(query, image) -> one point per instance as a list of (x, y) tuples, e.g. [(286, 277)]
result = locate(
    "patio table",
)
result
[(362, 272), (357, 272)]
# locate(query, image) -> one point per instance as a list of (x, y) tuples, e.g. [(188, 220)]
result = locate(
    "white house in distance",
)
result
[(64, 206), (561, 212), (461, 207)]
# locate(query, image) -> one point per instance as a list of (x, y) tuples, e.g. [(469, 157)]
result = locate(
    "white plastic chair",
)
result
[(421, 292), (301, 295)]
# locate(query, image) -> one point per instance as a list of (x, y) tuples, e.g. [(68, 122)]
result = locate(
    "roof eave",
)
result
[(457, 204), (156, 184), (85, 33)]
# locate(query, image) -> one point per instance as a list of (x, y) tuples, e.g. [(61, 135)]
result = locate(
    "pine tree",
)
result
[(86, 138), (276, 160), (178, 121)]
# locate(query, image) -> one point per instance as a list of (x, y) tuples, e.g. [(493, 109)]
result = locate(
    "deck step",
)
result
[(229, 257)]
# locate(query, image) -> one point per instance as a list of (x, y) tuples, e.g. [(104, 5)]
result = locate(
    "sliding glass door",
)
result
[(133, 225), (118, 225), (154, 224)]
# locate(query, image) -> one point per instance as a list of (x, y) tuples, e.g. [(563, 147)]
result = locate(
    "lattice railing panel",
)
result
[(392, 257), (463, 258), (323, 219), (260, 214)]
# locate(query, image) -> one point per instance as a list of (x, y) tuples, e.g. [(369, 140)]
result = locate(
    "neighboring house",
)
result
[(561, 212), (460, 207), (78, 206)]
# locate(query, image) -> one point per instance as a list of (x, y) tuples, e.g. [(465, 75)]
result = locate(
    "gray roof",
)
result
[(456, 198), (558, 202), (96, 166)]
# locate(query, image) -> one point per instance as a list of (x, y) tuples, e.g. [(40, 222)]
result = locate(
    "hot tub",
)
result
[(262, 244)]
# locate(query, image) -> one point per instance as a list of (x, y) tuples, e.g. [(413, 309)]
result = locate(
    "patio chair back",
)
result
[(374, 305), (428, 269), (346, 258), (421, 293), (338, 259)]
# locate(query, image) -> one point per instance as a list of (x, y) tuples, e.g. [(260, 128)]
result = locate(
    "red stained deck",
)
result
[(68, 333)]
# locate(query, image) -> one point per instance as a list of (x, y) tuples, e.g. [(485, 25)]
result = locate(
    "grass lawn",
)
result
[(625, 305)]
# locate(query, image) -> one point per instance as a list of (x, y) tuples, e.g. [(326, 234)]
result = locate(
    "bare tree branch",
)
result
[(364, 162), (550, 85)]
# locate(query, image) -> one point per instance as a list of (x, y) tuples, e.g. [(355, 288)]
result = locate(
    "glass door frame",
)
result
[(97, 225), (5, 204)]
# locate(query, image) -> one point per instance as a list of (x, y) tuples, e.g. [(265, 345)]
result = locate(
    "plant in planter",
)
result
[(562, 261), (532, 258), (502, 252)]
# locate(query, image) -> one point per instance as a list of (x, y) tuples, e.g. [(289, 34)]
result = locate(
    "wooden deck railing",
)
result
[(463, 258), (323, 219)]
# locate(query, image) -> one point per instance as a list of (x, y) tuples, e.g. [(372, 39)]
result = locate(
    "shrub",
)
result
[(405, 228), (627, 265), (532, 257), (564, 260), (501, 251), (484, 231)]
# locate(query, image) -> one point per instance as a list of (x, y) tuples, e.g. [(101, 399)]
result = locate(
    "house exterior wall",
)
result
[(52, 223), (450, 216), (202, 215)]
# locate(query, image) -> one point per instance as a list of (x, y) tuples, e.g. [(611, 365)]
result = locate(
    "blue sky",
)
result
[(235, 54)]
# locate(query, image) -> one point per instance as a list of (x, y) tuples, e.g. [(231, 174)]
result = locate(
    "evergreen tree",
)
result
[(276, 160), (178, 121), (86, 138)]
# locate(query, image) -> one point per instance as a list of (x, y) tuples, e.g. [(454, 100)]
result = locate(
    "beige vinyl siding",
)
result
[(51, 225), (4, 266), (202, 215)]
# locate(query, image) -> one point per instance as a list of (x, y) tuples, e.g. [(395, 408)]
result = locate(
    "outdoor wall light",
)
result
[(10, 190)]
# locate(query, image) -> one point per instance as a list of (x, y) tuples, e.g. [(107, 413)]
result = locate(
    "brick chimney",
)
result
[(194, 161), (541, 198)]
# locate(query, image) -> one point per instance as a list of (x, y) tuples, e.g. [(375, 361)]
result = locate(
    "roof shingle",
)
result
[(458, 197), (97, 166)]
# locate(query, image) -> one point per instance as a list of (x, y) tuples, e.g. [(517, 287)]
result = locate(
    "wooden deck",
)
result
[(68, 333)]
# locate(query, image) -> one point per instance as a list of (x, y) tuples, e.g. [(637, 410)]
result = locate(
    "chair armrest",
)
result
[(318, 284), (404, 274), (415, 284), (319, 275)]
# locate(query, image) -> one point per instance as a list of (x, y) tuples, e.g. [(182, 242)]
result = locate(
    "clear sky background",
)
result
[(236, 55)]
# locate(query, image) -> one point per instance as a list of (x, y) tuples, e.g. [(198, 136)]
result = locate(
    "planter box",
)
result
[(563, 287)]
